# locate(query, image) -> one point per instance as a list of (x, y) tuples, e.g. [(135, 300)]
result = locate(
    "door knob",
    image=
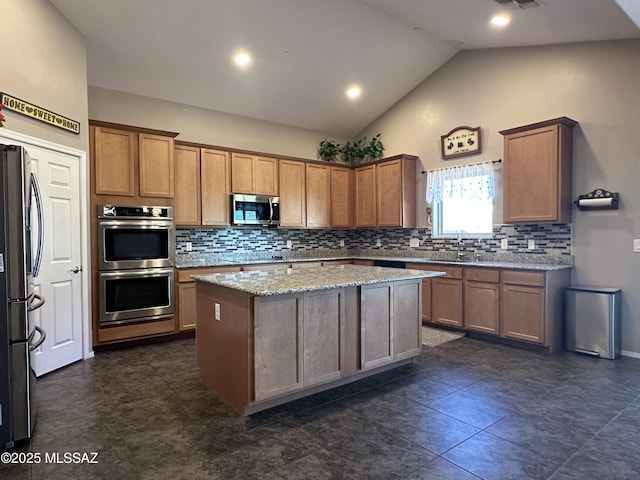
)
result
[(76, 269)]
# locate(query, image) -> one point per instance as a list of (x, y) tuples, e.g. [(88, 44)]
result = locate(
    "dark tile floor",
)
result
[(466, 409)]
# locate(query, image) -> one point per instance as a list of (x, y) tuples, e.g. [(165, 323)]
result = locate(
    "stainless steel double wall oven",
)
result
[(136, 260)]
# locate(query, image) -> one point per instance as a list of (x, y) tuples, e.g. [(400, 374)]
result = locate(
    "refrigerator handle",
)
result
[(43, 336), (33, 307), (38, 260)]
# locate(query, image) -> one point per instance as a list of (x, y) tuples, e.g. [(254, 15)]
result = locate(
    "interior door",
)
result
[(59, 281)]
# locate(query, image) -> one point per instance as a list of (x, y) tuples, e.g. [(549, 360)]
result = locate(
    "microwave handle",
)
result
[(270, 209)]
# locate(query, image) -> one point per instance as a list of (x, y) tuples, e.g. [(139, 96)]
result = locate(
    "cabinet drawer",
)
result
[(185, 275), (535, 279), (482, 275)]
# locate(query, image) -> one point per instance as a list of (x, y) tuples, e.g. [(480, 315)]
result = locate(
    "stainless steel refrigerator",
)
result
[(19, 192)]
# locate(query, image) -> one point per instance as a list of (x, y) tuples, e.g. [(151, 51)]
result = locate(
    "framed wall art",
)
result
[(461, 141)]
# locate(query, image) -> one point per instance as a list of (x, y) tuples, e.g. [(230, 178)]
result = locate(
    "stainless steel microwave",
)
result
[(255, 210)]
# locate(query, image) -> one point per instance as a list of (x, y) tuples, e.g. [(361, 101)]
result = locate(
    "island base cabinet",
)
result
[(376, 325), (263, 351), (277, 343), (324, 323)]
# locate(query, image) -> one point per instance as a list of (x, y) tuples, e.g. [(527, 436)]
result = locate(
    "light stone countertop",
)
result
[(191, 261), (292, 280)]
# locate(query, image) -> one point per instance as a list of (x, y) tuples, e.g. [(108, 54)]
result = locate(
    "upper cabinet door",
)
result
[(265, 176), (389, 193), (242, 173), (365, 196), (156, 165), (114, 161), (537, 173), (186, 209), (341, 197), (318, 193), (292, 194), (253, 174), (215, 177)]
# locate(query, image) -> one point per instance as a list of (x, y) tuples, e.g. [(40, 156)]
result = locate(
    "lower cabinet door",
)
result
[(407, 322), (482, 307), (522, 313), (323, 331), (375, 325), (446, 301), (278, 345)]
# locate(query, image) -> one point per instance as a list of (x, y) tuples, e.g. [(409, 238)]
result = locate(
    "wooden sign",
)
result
[(461, 141), (38, 113)]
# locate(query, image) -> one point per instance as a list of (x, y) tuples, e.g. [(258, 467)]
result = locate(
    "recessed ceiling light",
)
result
[(500, 20), (242, 58), (354, 92)]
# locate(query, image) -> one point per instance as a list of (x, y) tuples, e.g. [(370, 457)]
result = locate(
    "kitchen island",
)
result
[(264, 338)]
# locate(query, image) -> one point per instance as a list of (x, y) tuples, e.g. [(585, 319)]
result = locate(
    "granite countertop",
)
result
[(291, 280), (191, 261)]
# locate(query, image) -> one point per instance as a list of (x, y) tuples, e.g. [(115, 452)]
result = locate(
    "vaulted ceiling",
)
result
[(306, 53)]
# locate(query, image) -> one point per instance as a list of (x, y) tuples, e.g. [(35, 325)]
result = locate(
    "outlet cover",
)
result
[(532, 244), (414, 242), (636, 245), (342, 243), (289, 244), (217, 311), (378, 243), (504, 244), (189, 246)]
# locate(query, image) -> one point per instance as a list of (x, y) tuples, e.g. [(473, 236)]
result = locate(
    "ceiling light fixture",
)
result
[(354, 92), (242, 59), (500, 20)]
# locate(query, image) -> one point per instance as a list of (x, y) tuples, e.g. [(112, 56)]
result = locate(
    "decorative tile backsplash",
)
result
[(552, 242)]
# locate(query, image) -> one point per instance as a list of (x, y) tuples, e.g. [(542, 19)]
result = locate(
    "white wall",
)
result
[(200, 125), (44, 63), (596, 84)]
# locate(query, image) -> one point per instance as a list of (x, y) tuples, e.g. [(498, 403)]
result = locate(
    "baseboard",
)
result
[(626, 353)]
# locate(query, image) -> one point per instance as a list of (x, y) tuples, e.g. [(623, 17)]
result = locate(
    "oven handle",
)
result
[(168, 224), (147, 272)]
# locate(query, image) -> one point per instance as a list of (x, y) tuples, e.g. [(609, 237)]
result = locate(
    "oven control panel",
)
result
[(117, 211)]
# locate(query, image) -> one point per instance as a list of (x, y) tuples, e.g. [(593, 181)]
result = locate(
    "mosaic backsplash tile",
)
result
[(552, 243)]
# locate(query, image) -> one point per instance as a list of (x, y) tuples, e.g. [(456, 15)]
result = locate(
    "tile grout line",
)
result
[(592, 437)]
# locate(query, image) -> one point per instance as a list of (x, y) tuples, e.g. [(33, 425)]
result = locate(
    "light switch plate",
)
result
[(636, 245), (414, 242), (532, 244), (504, 244)]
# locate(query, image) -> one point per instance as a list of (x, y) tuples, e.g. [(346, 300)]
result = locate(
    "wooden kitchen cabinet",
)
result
[(318, 195), (202, 179), (446, 301), (132, 162), (254, 174), (278, 344), (482, 300), (323, 327), (114, 161), (523, 306), (376, 325), (186, 209), (186, 293), (537, 172), (156, 165), (407, 324), (293, 205), (365, 185), (215, 173), (386, 193), (341, 194)]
